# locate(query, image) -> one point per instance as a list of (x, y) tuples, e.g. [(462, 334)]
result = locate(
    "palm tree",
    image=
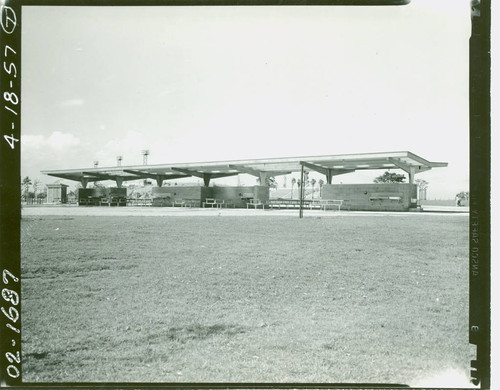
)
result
[(422, 188), (313, 182), (293, 183), (320, 182)]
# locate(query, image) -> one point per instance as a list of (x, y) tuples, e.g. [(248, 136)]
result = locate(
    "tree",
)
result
[(320, 182), (36, 185), (390, 177), (41, 197), (422, 184), (31, 197), (270, 181), (26, 187), (422, 188), (313, 182)]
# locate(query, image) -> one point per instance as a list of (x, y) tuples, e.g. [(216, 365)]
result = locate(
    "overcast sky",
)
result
[(219, 83)]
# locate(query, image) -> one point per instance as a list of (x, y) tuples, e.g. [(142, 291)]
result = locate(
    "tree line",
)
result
[(32, 191)]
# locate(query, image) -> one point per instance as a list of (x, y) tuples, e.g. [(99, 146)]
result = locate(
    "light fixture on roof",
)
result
[(145, 154), (96, 164), (119, 161)]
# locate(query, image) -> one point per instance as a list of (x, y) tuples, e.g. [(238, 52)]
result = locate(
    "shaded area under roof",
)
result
[(330, 165)]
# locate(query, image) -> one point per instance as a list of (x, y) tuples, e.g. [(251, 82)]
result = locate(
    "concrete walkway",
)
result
[(73, 210), (445, 209)]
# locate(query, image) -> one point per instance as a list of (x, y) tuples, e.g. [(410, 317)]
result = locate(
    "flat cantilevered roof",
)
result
[(329, 165)]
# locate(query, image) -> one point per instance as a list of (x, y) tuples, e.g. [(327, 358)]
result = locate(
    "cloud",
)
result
[(57, 141), (129, 146), (32, 141), (71, 103), (58, 150)]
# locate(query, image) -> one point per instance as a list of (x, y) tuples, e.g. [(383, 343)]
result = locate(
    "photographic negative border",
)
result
[(480, 186), (10, 186)]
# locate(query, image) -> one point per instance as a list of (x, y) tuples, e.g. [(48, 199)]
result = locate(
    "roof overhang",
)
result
[(332, 164)]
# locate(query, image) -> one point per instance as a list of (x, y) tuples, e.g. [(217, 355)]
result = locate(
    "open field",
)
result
[(370, 298)]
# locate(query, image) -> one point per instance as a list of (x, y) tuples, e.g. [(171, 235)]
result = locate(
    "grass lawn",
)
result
[(234, 299)]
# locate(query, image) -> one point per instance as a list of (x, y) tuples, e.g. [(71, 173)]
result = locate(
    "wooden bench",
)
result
[(142, 202), (113, 201), (294, 203), (255, 203), (213, 202), (83, 202), (192, 202), (132, 202), (285, 203), (104, 201), (179, 202), (324, 204), (121, 202)]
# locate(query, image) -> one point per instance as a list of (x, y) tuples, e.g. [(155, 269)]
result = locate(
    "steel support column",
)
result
[(206, 179), (329, 175), (301, 189), (119, 181), (411, 174), (84, 181), (263, 178)]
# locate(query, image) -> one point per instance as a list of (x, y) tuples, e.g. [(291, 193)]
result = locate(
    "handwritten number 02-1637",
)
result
[(10, 296), (6, 273), (12, 314), (13, 358)]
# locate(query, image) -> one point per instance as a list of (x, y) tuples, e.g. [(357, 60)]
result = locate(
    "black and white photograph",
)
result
[(244, 194)]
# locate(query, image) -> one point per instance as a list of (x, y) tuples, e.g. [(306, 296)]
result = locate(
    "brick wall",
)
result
[(235, 194), (84, 193), (261, 193), (200, 193), (161, 192), (117, 192), (357, 196), (232, 194)]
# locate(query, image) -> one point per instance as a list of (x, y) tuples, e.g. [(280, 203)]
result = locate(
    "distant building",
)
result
[(57, 193)]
